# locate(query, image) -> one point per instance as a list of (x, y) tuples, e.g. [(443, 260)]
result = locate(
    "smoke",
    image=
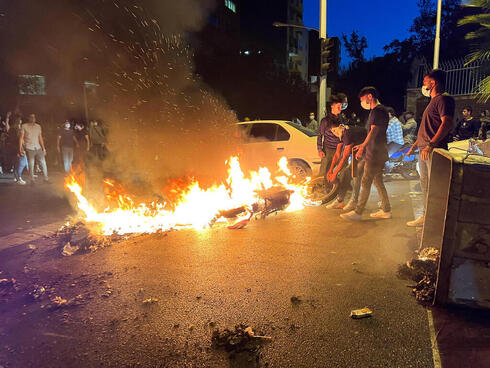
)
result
[(162, 121)]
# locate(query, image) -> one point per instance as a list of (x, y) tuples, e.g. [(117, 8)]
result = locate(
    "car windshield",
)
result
[(302, 129)]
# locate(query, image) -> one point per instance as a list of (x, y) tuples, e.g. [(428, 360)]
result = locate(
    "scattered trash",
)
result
[(241, 343), (150, 301), (422, 270), (32, 247), (361, 313), (7, 286), (38, 292), (240, 224), (296, 300), (58, 302), (69, 250)]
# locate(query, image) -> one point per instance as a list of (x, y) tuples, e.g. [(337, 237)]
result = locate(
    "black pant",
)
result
[(373, 173)]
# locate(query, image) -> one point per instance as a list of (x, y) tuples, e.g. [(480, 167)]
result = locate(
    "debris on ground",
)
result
[(32, 247), (38, 292), (150, 301), (423, 270), (58, 302), (295, 300), (77, 238), (7, 286), (69, 250), (361, 313), (242, 343)]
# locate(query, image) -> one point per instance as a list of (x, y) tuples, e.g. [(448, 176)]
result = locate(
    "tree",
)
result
[(480, 40), (355, 46)]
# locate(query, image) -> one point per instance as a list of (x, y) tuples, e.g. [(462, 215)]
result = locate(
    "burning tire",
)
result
[(320, 189)]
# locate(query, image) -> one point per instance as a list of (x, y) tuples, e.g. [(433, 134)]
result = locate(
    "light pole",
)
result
[(322, 34), (322, 90), (438, 35)]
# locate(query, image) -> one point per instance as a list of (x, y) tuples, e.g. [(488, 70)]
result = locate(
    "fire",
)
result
[(192, 206)]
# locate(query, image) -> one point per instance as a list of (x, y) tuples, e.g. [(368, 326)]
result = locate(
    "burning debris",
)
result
[(422, 270), (240, 343), (7, 286), (238, 199)]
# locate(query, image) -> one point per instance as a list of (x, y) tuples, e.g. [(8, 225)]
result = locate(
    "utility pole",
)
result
[(322, 90), (438, 35)]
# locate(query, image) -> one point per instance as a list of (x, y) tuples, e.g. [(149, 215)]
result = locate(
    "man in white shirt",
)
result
[(31, 143)]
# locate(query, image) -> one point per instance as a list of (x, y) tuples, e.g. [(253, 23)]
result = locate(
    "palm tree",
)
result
[(480, 38)]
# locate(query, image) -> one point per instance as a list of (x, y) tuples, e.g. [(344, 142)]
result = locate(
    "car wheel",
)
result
[(300, 170)]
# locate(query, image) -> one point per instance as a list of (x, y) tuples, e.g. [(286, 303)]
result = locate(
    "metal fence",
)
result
[(461, 79)]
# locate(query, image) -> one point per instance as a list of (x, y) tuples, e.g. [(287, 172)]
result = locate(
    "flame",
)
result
[(192, 206)]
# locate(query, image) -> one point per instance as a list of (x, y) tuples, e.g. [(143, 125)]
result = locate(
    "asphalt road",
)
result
[(218, 279)]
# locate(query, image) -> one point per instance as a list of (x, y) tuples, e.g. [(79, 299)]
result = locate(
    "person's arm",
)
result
[(75, 140), (58, 143), (319, 141), (335, 157), (88, 141), (345, 158), (41, 142), (21, 142), (443, 131), (7, 120), (360, 148)]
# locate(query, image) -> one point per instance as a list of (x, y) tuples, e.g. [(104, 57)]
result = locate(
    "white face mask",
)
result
[(67, 126), (344, 105), (426, 91), (312, 117), (365, 105)]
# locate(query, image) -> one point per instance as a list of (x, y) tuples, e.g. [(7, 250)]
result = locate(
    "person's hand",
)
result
[(360, 151), (456, 138), (425, 153), (88, 148), (44, 151), (321, 154), (331, 177), (410, 151)]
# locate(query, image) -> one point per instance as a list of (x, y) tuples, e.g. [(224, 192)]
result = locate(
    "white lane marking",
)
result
[(433, 339)]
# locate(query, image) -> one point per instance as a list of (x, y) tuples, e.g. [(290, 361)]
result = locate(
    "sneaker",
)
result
[(351, 205), (417, 222), (381, 215), (46, 181), (336, 205), (21, 181), (352, 216)]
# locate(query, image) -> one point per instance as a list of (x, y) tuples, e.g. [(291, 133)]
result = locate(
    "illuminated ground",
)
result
[(224, 277)]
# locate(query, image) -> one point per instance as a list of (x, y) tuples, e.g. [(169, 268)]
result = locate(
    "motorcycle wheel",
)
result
[(321, 190)]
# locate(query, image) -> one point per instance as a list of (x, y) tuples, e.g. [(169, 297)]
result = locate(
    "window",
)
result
[(263, 131), (269, 132), (282, 134), (230, 5), (32, 84)]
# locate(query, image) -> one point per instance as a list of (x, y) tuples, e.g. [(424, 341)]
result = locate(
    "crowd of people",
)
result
[(23, 146), (370, 147)]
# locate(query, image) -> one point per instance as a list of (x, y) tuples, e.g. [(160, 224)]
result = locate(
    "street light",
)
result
[(322, 33), (437, 41)]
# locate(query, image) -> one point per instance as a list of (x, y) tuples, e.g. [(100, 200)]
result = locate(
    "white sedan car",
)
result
[(265, 141)]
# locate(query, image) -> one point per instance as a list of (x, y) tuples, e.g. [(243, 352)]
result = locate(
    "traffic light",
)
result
[(330, 51)]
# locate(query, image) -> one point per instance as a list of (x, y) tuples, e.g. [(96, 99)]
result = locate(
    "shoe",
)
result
[(352, 216), (46, 181), (417, 222), (351, 205), (381, 214), (21, 182), (335, 205)]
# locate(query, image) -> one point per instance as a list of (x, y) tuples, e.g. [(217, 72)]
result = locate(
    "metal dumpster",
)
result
[(457, 223)]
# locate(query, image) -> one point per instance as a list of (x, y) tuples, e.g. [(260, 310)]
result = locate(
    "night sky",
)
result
[(381, 21)]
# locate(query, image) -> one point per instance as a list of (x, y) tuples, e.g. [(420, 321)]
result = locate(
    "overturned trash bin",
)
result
[(457, 222)]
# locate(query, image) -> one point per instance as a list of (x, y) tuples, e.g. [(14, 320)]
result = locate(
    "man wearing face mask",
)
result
[(65, 145), (437, 123), (313, 124), (327, 141), (83, 147), (373, 154)]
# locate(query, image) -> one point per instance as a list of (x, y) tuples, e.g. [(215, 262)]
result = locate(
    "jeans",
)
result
[(67, 154), (19, 166), (373, 173), (32, 157), (345, 181), (424, 171)]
